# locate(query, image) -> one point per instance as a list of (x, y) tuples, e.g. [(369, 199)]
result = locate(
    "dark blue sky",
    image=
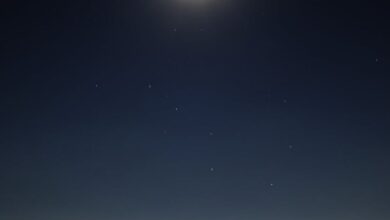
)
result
[(146, 110)]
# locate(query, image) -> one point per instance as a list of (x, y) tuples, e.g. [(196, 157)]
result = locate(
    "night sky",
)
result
[(194, 110)]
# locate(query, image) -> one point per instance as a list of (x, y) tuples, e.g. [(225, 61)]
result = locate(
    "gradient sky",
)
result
[(164, 110)]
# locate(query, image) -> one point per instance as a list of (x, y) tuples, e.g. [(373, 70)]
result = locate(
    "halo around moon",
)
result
[(196, 5)]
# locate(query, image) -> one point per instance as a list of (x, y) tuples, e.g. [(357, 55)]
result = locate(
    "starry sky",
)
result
[(194, 110)]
